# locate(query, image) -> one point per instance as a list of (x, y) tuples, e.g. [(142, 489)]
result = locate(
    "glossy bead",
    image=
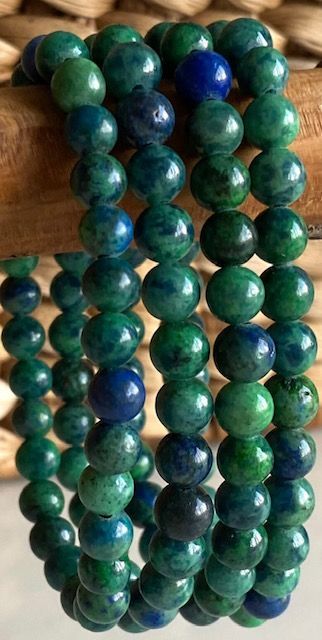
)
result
[(19, 78), (183, 514), (264, 607), (192, 254), (106, 230), (179, 350), (228, 238), (111, 284), (19, 295), (164, 232), (126, 623), (142, 504), (87, 624), (138, 323), (295, 401), (287, 547), (60, 565), (154, 36), (183, 460), (72, 463), (235, 294), (275, 584), (212, 603), (76, 510), (28, 62), (296, 347), (41, 499), (136, 365), (244, 353), (30, 379), (55, 48), (245, 462), (135, 572), (37, 458), (171, 292), (48, 534), (19, 267), (98, 179), (240, 36), (91, 128), (226, 582), (176, 559), (66, 292), (75, 262), (245, 619), (148, 617), (109, 37), (71, 379), (282, 235), (101, 608), (220, 182), (23, 337), (271, 121), (203, 75), (166, 171), (180, 40), (145, 117), (292, 501), (68, 595), (192, 613), (116, 396), (109, 339), (160, 591), (144, 541), (104, 494), (184, 406), (263, 70), (72, 421), (215, 29), (77, 82), (129, 65), (214, 127), (144, 466), (103, 577), (244, 409), (31, 418), (278, 177), (105, 538), (239, 549), (65, 333), (242, 507), (112, 448), (289, 292), (294, 453)]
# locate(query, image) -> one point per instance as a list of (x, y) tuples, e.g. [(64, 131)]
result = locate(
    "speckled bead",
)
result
[(278, 177), (142, 504), (37, 458), (32, 418), (23, 337), (72, 463), (244, 409), (235, 294), (20, 295), (87, 624), (76, 510), (226, 582), (98, 178), (282, 235), (212, 603), (61, 564), (294, 453), (262, 71), (179, 350), (164, 232), (117, 395), (109, 37), (181, 39), (103, 494), (239, 549), (166, 171), (292, 501), (105, 538), (271, 121), (240, 36), (184, 406), (75, 262), (287, 547), (68, 595), (71, 379), (41, 499), (214, 127), (228, 238), (72, 421), (77, 82), (296, 347), (48, 534), (243, 618), (160, 591), (183, 514), (264, 607), (192, 613), (19, 267), (275, 584), (183, 460), (245, 462), (109, 339), (66, 292), (101, 608), (111, 284), (112, 448), (65, 333), (55, 48), (289, 292), (91, 128), (176, 559), (295, 401), (145, 117), (171, 292), (30, 379), (148, 617), (220, 182), (244, 353), (203, 75), (129, 65), (242, 507), (144, 466), (28, 62)]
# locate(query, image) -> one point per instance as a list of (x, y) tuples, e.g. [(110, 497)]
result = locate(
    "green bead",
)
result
[(111, 284), (228, 238), (32, 417), (296, 401), (278, 177), (135, 571), (154, 36), (292, 501), (104, 609), (106, 230), (211, 602), (184, 406), (105, 538), (164, 232), (148, 617), (112, 448), (282, 235), (66, 292), (144, 466), (271, 121), (244, 409), (296, 347), (240, 36), (138, 323), (37, 458), (171, 292), (220, 182), (19, 267), (179, 350), (75, 262), (72, 421), (98, 179), (65, 332), (41, 499), (166, 172), (68, 595), (180, 39), (215, 29), (110, 339), (287, 547), (102, 577), (55, 48), (142, 504), (145, 539), (87, 624), (109, 37), (73, 462), (126, 623), (239, 549), (214, 127), (193, 614), (60, 565), (289, 292), (162, 592), (23, 337), (105, 495), (276, 584), (242, 507), (77, 82), (261, 71), (76, 510), (245, 619), (30, 379), (71, 379), (235, 294), (245, 462), (48, 534), (129, 65), (177, 559), (226, 582)]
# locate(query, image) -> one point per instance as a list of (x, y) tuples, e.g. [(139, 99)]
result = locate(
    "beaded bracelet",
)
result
[(236, 553)]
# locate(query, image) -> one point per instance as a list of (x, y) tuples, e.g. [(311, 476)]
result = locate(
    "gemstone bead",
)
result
[(111, 284), (103, 494), (244, 409), (166, 172), (98, 178), (214, 127), (19, 78), (76, 510), (75, 262), (179, 350), (31, 418), (183, 460), (129, 65), (282, 235), (242, 507), (275, 584), (19, 267), (87, 624), (289, 292), (105, 538), (295, 401), (72, 463), (60, 565), (48, 534), (71, 379), (171, 292), (72, 421), (109, 339), (77, 82), (184, 406), (160, 591), (144, 466), (145, 117), (235, 294), (112, 448), (287, 547), (183, 514), (296, 347), (181, 39), (264, 607), (271, 121), (55, 48), (145, 539), (41, 499), (240, 36), (68, 595), (220, 182), (176, 559), (91, 128), (103, 577), (148, 617), (116, 396), (292, 502), (193, 614), (66, 292), (212, 603), (239, 549), (109, 37), (65, 333), (126, 623), (294, 453), (244, 353), (245, 619), (154, 36), (28, 62), (245, 462), (37, 458), (226, 582), (30, 379), (228, 238), (136, 365), (101, 608), (164, 232), (278, 177), (19, 295), (138, 323), (203, 75), (23, 337), (262, 70), (142, 504), (215, 28)]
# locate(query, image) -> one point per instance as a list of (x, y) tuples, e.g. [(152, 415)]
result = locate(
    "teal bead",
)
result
[(98, 179), (126, 623), (240, 36), (239, 549), (41, 499), (144, 541), (220, 182), (242, 507), (148, 617), (184, 406), (20, 296), (282, 235), (68, 595), (138, 323), (75, 262), (37, 458), (296, 401), (162, 592), (179, 350), (91, 128), (19, 267), (101, 608), (276, 584), (261, 71), (106, 230), (192, 613), (109, 37), (105, 538), (66, 292), (112, 448), (164, 232), (19, 78), (65, 333), (243, 618), (71, 379), (48, 534), (171, 292), (166, 172), (226, 582), (215, 29), (192, 254), (296, 347), (214, 127), (212, 603), (144, 466), (76, 83), (292, 501), (142, 504), (105, 495), (76, 510), (271, 121), (287, 547), (110, 339), (23, 337), (73, 462), (60, 565), (181, 39), (278, 177), (101, 577), (135, 572), (111, 284), (245, 462), (32, 418), (154, 36), (244, 409), (235, 294), (289, 292), (129, 65), (87, 624), (177, 559), (72, 421), (228, 238), (244, 352), (55, 48)]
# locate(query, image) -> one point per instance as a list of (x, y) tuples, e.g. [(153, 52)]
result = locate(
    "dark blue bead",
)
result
[(183, 460), (203, 75), (19, 296), (116, 396), (244, 353), (91, 128), (263, 607), (294, 453), (28, 60), (183, 513), (145, 117)]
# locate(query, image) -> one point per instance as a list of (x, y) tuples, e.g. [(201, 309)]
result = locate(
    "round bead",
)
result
[(98, 178), (264, 607), (214, 127), (183, 460), (226, 582), (148, 617), (103, 494), (48, 534), (142, 504), (72, 463), (240, 36), (245, 462), (166, 173), (245, 619), (242, 507), (235, 294), (215, 29), (244, 409), (183, 514), (144, 466), (56, 48), (76, 510), (275, 584), (75, 262), (28, 62), (65, 333), (77, 82), (30, 379), (296, 347), (289, 292), (116, 396), (292, 501), (294, 453), (220, 182), (106, 230), (101, 608), (184, 406), (228, 238), (109, 37), (111, 284), (271, 121), (145, 117), (282, 235), (212, 603), (60, 565), (263, 70), (19, 295), (129, 65), (37, 458), (203, 75), (71, 379), (126, 623), (160, 591), (193, 614), (138, 323), (181, 39), (87, 624), (144, 541), (72, 421), (109, 339), (41, 499), (179, 350), (112, 448), (176, 559), (103, 577), (287, 547), (244, 353), (164, 232), (239, 549), (295, 401), (278, 177), (68, 595), (171, 292), (32, 418), (91, 128), (105, 538), (66, 292), (23, 337), (19, 267), (154, 36), (19, 78)]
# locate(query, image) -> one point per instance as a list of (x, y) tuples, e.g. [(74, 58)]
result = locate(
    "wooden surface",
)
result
[(38, 214)]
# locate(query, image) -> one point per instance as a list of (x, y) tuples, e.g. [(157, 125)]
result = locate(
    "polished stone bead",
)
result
[(203, 375), (142, 504), (110, 284), (112, 448), (104, 494), (71, 379), (19, 78), (296, 347), (160, 591), (66, 292), (244, 409), (30, 379), (37, 458), (136, 365), (226, 582), (135, 572), (240, 36), (278, 177), (243, 618), (126, 623), (184, 406), (294, 453), (41, 499), (245, 462), (32, 418), (98, 179), (171, 292), (138, 323), (73, 462), (264, 607), (289, 292), (276, 584), (179, 350), (105, 538), (144, 466), (133, 256), (65, 334), (287, 547), (292, 501), (23, 337), (55, 48), (183, 460), (264, 70), (76, 510), (181, 39), (215, 29), (177, 559), (242, 507), (19, 295), (91, 128), (75, 262), (147, 616), (192, 254), (154, 36), (212, 603), (282, 235), (109, 37), (145, 117), (19, 267), (296, 401), (77, 82), (166, 173), (228, 238), (220, 182), (72, 422), (68, 595), (109, 339), (103, 577), (117, 395), (102, 608), (87, 624), (183, 514), (235, 294), (203, 75), (28, 62), (192, 613), (271, 121), (61, 564), (244, 353), (129, 65), (239, 549), (164, 232), (48, 534), (144, 541), (106, 230), (214, 127)]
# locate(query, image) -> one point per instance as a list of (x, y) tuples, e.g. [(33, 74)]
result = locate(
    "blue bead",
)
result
[(106, 230), (116, 396), (203, 75), (244, 353), (28, 60), (294, 453), (19, 296), (183, 460), (105, 538), (91, 128), (145, 117), (263, 607)]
